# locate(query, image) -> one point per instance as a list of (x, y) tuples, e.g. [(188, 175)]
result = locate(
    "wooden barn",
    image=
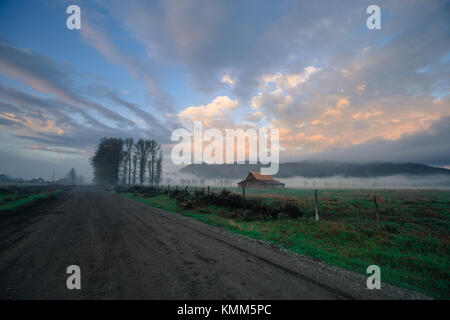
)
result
[(261, 181)]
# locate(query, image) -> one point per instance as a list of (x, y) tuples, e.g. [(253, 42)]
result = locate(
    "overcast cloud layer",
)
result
[(335, 89)]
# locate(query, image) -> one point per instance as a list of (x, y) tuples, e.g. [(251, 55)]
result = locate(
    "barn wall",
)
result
[(263, 186)]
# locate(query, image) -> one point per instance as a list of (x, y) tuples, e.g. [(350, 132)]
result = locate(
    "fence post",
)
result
[(377, 212), (316, 205), (186, 189), (208, 190), (243, 192)]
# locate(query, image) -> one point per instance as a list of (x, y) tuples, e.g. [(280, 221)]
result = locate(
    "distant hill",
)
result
[(315, 169)]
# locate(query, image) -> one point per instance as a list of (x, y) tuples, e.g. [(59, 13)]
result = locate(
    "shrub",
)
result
[(250, 209), (199, 192), (282, 215), (292, 210), (174, 193)]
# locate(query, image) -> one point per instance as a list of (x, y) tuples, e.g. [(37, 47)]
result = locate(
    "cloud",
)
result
[(161, 127), (56, 150), (368, 114), (209, 38), (255, 116), (251, 39), (35, 105), (50, 122), (292, 80), (218, 111), (138, 68), (428, 146), (43, 74), (226, 79)]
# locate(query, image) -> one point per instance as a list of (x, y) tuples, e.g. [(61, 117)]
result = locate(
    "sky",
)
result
[(312, 69)]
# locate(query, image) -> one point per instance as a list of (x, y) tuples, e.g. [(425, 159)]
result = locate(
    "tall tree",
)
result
[(135, 160), (124, 170), (142, 151), (158, 175), (106, 161), (150, 178), (129, 142), (154, 149), (71, 176)]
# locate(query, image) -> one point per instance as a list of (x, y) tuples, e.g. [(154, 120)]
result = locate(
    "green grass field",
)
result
[(16, 198), (411, 249)]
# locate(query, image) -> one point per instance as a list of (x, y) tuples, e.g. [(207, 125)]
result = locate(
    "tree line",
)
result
[(122, 161)]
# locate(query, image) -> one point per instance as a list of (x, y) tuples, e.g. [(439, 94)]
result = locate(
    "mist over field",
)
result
[(338, 181), (321, 174), (394, 181)]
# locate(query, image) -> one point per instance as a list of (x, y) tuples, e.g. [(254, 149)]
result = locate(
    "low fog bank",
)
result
[(186, 179), (393, 181)]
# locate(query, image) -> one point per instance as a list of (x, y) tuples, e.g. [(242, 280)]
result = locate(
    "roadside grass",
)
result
[(14, 201), (411, 250)]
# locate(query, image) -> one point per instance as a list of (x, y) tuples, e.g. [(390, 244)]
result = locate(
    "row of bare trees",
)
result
[(119, 160)]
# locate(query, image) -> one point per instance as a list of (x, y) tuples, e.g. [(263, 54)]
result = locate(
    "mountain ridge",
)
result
[(315, 169)]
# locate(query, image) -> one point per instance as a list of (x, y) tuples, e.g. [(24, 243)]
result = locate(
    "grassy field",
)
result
[(411, 249), (14, 198)]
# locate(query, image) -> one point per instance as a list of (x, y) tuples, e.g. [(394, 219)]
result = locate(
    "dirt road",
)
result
[(127, 250)]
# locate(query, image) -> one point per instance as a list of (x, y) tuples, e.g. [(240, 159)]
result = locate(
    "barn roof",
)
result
[(262, 177)]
